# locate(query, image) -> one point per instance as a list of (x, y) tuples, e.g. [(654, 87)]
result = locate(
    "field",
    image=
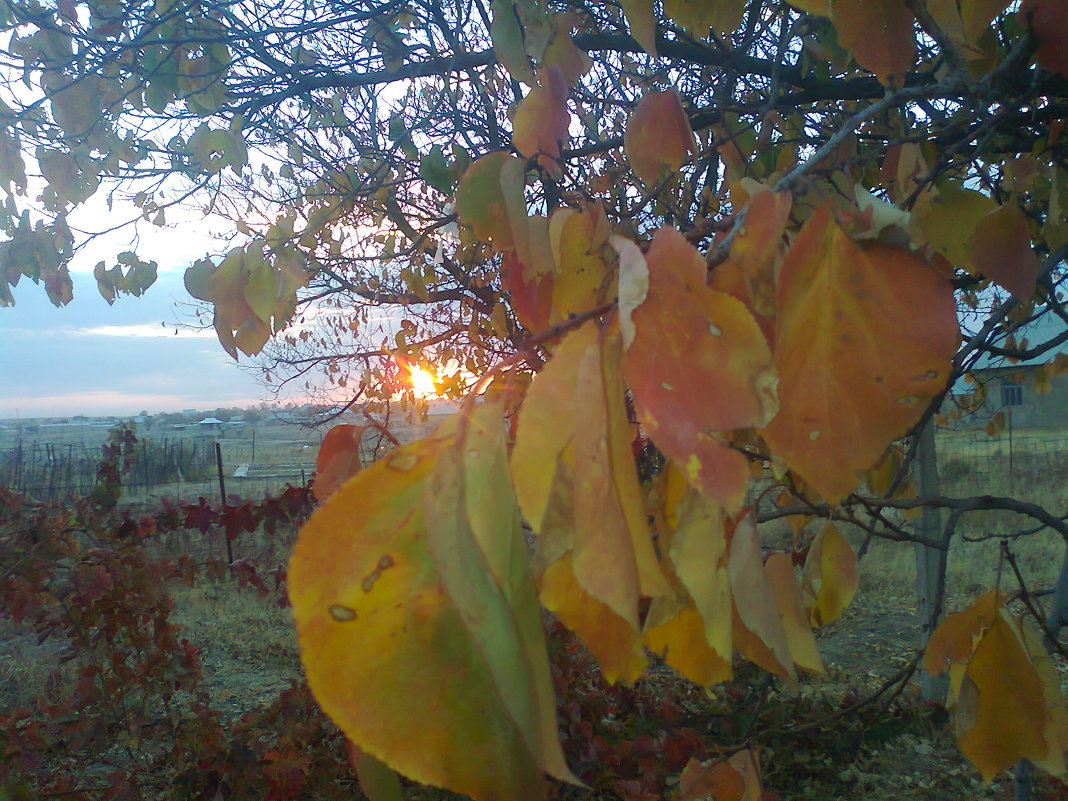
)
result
[(825, 743)]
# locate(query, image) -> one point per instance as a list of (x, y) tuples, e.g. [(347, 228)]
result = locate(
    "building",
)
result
[(1029, 393)]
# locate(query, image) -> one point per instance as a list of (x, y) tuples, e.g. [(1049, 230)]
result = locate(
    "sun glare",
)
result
[(423, 383)]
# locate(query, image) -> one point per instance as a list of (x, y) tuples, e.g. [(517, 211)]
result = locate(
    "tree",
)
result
[(772, 235)]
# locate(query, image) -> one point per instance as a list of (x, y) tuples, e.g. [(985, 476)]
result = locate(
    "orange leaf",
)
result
[(658, 136), (853, 378), (879, 35), (801, 642), (338, 460), (1050, 25), (829, 581), (698, 364), (954, 639), (734, 779), (1001, 250), (541, 119), (758, 633), (758, 247), (531, 295)]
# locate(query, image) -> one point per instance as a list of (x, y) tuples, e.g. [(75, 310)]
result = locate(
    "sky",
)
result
[(94, 359)]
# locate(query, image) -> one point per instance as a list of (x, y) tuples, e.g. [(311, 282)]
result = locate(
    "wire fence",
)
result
[(178, 467)]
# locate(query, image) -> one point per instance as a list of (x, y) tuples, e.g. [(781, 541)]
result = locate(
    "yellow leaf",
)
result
[(852, 377), (1000, 712), (642, 20), (829, 580), (697, 16), (948, 219), (658, 136), (582, 277), (677, 635), (698, 551), (450, 635), (614, 642)]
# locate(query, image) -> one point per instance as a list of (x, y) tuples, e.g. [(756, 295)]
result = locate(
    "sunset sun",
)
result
[(424, 384)]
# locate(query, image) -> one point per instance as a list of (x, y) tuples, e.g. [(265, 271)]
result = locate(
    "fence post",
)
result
[(222, 493), (930, 561)]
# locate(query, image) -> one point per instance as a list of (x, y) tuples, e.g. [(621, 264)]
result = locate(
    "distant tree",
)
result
[(773, 234)]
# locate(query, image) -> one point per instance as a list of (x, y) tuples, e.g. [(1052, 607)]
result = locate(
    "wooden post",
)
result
[(930, 561), (222, 493)]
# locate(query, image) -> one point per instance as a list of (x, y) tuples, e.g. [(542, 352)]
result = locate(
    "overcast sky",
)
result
[(91, 358)]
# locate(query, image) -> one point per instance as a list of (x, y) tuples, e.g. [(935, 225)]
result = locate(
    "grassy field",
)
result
[(249, 655)]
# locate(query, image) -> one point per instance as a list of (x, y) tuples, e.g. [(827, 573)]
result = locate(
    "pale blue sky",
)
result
[(91, 358)]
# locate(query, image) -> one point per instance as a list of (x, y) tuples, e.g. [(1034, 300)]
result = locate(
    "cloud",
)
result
[(141, 330)]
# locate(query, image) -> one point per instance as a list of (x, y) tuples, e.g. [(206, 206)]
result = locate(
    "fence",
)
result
[(180, 467)]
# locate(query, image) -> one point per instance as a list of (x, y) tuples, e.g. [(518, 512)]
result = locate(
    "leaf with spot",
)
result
[(853, 377), (698, 364), (419, 562)]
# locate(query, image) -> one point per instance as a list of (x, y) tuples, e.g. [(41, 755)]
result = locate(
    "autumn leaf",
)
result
[(698, 364), (573, 427), (758, 632), (1001, 250), (698, 551), (1000, 709), (675, 631), (697, 16), (733, 779), (541, 119), (955, 638), (642, 20), (829, 581), (853, 377), (800, 641), (658, 137), (393, 564), (489, 198), (879, 35), (338, 460), (581, 281), (1047, 19)]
